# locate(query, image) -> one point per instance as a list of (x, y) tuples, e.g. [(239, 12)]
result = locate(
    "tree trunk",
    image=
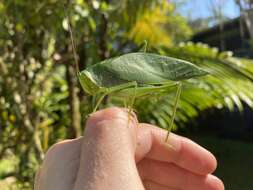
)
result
[(74, 103)]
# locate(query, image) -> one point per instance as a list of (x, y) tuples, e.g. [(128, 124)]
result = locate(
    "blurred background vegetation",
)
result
[(41, 102)]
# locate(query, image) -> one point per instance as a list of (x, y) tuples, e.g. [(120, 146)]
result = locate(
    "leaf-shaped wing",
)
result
[(144, 68)]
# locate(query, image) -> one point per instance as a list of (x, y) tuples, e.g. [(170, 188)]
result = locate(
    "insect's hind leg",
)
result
[(179, 87)]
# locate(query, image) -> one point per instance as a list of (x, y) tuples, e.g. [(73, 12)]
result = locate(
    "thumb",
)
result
[(107, 153)]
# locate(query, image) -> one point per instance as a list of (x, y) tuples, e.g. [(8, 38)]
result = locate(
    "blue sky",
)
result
[(201, 8)]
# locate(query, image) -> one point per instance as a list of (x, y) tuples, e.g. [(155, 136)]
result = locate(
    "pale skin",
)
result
[(116, 153)]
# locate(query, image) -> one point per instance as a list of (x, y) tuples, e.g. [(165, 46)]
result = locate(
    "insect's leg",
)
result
[(130, 108), (113, 89), (122, 86), (125, 86), (142, 91), (93, 101), (99, 102), (93, 104), (179, 86), (134, 96)]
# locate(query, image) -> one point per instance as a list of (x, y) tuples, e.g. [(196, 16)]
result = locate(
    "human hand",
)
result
[(116, 153)]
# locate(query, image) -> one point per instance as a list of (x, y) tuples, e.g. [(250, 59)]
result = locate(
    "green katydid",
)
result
[(136, 74)]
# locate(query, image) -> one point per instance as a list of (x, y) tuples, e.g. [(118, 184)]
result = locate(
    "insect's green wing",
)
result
[(144, 68)]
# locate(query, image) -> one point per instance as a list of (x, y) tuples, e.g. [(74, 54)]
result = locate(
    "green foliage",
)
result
[(169, 26)]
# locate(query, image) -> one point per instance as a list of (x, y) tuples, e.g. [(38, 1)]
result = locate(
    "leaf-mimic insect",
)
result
[(136, 74)]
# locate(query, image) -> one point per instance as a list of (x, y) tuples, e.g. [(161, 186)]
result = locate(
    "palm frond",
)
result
[(229, 85)]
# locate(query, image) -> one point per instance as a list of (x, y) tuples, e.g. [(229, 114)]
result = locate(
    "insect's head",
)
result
[(87, 83)]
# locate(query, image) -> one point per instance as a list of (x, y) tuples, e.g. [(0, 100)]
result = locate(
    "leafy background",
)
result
[(42, 103)]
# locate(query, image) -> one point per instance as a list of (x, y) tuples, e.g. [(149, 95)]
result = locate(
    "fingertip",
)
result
[(111, 114), (212, 165), (207, 162), (214, 183)]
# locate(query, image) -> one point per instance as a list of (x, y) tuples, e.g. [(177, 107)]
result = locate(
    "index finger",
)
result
[(178, 150)]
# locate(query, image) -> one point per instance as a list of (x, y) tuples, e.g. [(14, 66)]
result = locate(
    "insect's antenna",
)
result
[(73, 44)]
